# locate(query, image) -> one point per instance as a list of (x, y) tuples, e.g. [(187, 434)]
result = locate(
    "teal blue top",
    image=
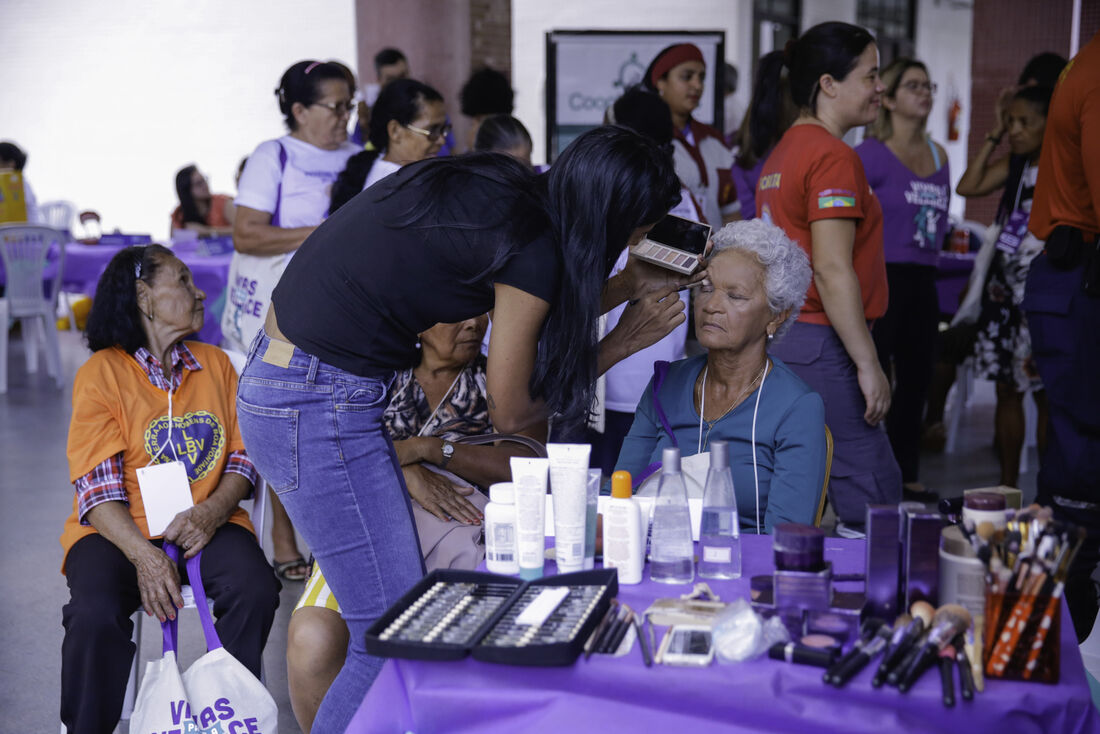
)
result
[(790, 441)]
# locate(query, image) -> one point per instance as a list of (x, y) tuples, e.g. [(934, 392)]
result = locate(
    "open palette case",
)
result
[(450, 614)]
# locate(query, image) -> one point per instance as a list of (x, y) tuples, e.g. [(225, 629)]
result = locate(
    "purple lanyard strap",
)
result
[(170, 628), (660, 372)]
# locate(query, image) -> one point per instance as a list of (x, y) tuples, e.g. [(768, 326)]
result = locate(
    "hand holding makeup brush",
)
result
[(644, 322)]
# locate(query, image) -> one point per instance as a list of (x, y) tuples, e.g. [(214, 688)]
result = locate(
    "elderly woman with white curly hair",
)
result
[(773, 423)]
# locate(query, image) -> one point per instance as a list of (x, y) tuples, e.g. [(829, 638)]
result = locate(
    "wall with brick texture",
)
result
[(1006, 34), (491, 34)]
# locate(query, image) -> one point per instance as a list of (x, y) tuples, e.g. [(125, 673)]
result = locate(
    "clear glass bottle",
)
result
[(672, 556), (720, 530)]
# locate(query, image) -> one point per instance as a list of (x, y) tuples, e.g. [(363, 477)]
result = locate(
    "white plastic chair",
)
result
[(958, 401), (57, 214), (24, 249)]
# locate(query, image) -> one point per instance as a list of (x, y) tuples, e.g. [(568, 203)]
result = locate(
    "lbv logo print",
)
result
[(197, 439)]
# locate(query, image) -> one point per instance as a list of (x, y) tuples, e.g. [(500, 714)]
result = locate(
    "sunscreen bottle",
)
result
[(623, 542), (500, 530)]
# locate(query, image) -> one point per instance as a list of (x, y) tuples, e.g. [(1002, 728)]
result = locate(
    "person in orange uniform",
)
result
[(1062, 303), (814, 187)]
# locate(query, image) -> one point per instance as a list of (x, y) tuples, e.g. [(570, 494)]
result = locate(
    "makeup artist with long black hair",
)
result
[(442, 240)]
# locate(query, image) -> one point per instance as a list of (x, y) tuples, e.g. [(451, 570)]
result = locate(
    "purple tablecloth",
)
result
[(85, 263), (620, 695)]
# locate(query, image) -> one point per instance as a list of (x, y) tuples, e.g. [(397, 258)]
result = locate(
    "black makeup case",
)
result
[(449, 614)]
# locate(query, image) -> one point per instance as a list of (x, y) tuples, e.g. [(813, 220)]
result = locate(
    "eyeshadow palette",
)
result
[(674, 243), (449, 614)]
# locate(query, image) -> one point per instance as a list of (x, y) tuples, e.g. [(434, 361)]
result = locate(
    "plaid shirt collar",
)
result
[(182, 359)]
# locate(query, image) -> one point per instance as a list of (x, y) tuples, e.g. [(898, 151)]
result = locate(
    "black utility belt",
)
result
[(1069, 248)]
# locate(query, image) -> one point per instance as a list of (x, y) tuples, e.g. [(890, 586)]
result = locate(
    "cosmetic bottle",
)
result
[(568, 490), (623, 542), (529, 479), (720, 531), (672, 555), (500, 530)]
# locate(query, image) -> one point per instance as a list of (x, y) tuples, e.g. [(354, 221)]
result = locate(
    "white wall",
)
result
[(110, 99), (531, 19), (820, 11), (943, 44)]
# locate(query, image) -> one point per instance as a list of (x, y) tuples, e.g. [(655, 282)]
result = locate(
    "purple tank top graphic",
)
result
[(914, 209)]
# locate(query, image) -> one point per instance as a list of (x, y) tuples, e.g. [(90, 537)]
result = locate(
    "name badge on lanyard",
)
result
[(165, 491), (1013, 233)]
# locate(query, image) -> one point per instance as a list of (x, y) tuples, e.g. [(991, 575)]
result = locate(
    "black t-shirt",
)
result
[(361, 287)]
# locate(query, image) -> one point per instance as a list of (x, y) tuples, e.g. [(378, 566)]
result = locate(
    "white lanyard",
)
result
[(755, 410), (165, 489), (169, 443)]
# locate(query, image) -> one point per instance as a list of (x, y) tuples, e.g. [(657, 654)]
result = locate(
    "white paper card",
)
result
[(165, 492), (543, 605)]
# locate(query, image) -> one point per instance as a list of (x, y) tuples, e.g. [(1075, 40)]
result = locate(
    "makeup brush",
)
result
[(616, 637), (1061, 571), (966, 677), (951, 507), (949, 621), (975, 654), (966, 527), (891, 667), (867, 630), (1013, 629), (647, 658), (947, 677), (597, 635), (901, 629), (866, 654)]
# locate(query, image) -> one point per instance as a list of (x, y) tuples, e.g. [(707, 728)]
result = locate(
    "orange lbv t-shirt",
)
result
[(116, 408), (811, 176)]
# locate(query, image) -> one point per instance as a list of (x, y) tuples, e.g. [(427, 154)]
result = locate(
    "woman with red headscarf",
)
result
[(701, 156)]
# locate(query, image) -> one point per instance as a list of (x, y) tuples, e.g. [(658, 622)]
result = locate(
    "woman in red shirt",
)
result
[(814, 187)]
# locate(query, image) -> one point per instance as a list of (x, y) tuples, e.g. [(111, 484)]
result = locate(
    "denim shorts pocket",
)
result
[(360, 395), (272, 444)]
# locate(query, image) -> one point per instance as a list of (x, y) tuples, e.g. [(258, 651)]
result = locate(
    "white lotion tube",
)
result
[(529, 481), (569, 489)]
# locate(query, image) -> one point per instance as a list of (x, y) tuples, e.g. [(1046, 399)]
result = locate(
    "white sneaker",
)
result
[(846, 532)]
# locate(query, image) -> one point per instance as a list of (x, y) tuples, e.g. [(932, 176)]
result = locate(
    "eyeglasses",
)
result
[(915, 87), (434, 133), (337, 108)]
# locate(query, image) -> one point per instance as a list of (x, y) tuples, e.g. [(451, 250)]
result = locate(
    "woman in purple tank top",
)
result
[(910, 176)]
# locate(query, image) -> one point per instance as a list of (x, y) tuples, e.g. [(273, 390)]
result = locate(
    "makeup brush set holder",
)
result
[(450, 614), (1015, 623)]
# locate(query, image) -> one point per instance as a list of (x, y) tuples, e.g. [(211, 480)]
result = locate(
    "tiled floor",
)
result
[(36, 496)]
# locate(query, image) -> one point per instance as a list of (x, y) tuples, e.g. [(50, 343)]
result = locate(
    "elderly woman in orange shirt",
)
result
[(146, 397)]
